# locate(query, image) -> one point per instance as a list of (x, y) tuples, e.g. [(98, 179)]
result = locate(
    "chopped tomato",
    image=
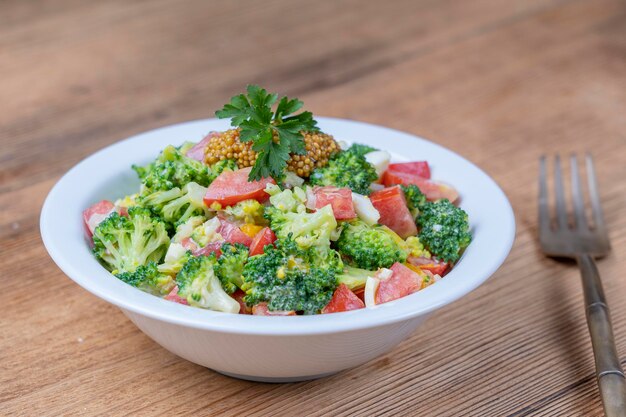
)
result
[(360, 293), (263, 238), (340, 200), (231, 187), (213, 247), (173, 296), (394, 213), (197, 151), (95, 214), (343, 300), (433, 190), (243, 307), (419, 168), (402, 282), (428, 264), (261, 309), (233, 234)]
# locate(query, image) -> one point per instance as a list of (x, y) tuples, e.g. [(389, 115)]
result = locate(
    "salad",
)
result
[(275, 217)]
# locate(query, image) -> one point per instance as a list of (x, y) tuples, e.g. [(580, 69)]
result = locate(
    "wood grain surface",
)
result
[(499, 82)]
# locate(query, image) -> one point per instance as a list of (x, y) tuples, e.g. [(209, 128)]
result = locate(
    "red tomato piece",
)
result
[(394, 213), (402, 282), (189, 244), (433, 190), (343, 300), (360, 293), (419, 168), (243, 307), (231, 187), (197, 151), (340, 200), (95, 214), (233, 234), (428, 264), (263, 238), (261, 309), (213, 247), (173, 296)]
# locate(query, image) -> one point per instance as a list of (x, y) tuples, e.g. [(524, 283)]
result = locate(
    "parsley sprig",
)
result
[(252, 113)]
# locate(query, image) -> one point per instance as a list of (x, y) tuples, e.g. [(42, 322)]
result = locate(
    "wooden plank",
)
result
[(499, 82)]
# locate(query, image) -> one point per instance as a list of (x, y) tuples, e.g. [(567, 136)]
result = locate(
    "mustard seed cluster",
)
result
[(319, 148)]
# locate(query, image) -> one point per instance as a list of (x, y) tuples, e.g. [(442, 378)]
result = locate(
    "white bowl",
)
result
[(276, 349)]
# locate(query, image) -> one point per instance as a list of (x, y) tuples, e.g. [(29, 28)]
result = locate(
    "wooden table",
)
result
[(498, 82)]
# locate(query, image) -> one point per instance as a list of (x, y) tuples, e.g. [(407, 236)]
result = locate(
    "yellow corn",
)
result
[(251, 229)]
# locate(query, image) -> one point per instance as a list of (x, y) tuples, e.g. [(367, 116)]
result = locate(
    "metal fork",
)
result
[(584, 242)]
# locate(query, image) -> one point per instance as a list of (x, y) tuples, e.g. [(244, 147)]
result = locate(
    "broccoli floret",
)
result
[(354, 278), (360, 149), (370, 247), (415, 199), (229, 266), (346, 169), (172, 169), (288, 216), (123, 244), (288, 277), (186, 229), (207, 232), (199, 285), (176, 206), (247, 211), (444, 229), (149, 278), (287, 200), (307, 229), (221, 166)]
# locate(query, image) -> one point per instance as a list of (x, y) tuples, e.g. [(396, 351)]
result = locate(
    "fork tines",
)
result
[(559, 237), (577, 194)]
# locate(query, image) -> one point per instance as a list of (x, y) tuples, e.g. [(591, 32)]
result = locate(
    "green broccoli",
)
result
[(176, 206), (354, 278), (186, 229), (221, 166), (415, 199), (149, 278), (207, 232), (346, 169), (370, 247), (444, 229), (198, 284), (288, 277), (247, 211), (229, 266), (288, 216), (123, 244), (172, 169), (307, 229), (360, 149)]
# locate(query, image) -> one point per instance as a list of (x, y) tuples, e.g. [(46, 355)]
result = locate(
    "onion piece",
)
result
[(380, 161), (371, 286), (365, 210)]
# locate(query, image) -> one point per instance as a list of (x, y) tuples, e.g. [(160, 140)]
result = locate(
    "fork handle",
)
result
[(611, 380)]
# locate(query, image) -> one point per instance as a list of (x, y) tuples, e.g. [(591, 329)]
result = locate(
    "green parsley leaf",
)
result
[(253, 114)]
